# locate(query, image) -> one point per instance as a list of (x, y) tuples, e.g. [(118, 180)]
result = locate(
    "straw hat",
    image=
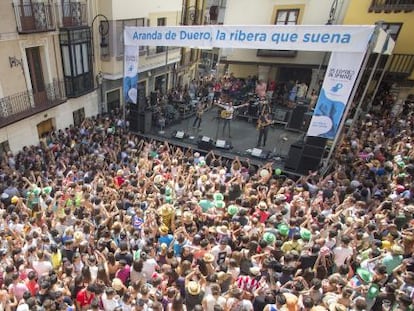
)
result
[(187, 217), (117, 284), (208, 257), (223, 230), (262, 205), (193, 288), (397, 250)]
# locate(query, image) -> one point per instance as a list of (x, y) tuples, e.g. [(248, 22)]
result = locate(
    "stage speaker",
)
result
[(153, 98), (179, 134), (140, 121), (313, 151), (205, 143), (133, 119), (294, 156), (223, 144), (260, 153), (316, 141), (307, 164), (296, 118)]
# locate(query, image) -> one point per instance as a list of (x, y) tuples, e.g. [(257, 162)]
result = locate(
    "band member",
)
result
[(263, 124), (227, 113), (199, 114)]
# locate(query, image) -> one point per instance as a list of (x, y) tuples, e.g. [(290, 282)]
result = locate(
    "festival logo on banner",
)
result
[(131, 74), (337, 86)]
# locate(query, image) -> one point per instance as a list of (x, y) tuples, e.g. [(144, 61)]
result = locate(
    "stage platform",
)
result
[(243, 140)]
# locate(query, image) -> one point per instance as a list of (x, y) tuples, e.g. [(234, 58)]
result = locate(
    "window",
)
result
[(287, 17), (120, 24), (161, 22), (76, 49), (393, 29)]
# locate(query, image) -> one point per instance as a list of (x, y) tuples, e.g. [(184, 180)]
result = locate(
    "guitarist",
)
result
[(263, 124), (199, 114), (227, 113)]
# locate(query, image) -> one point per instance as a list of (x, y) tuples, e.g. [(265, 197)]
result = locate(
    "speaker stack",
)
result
[(140, 121), (297, 118), (306, 156)]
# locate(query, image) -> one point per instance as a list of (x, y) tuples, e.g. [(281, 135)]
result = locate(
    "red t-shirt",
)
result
[(84, 298)]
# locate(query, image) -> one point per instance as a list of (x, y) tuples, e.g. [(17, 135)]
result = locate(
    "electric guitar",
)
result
[(224, 114), (261, 125)]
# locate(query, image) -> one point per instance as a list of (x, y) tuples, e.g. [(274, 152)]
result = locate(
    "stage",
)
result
[(243, 140)]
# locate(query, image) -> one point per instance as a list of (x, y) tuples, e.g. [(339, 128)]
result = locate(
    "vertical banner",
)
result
[(131, 73), (337, 86)]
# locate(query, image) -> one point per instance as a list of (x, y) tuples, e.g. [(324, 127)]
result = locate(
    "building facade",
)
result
[(396, 17), (63, 60), (280, 65)]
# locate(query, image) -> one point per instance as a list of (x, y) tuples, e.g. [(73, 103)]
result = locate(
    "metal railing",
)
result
[(72, 14), (24, 104), (391, 5), (401, 65), (34, 17)]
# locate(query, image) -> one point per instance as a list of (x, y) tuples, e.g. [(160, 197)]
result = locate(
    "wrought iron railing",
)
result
[(72, 14), (24, 104), (34, 17), (391, 6), (401, 65)]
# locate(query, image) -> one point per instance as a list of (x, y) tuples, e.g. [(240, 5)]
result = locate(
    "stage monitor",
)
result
[(180, 134)]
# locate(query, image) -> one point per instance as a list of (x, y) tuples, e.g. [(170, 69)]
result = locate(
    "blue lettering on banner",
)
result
[(199, 35), (147, 35), (327, 38), (284, 37), (240, 35)]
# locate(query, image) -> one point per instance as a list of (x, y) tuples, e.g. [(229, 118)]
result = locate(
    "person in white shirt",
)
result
[(227, 113), (215, 298), (343, 252), (110, 300), (42, 266)]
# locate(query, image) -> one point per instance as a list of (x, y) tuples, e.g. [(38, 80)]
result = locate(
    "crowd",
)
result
[(94, 218)]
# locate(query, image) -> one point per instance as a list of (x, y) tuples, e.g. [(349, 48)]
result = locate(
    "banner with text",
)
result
[(333, 38), (337, 86), (131, 74)]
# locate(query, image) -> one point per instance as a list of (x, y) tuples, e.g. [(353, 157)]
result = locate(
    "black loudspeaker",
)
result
[(294, 156), (307, 164), (205, 143), (297, 118), (313, 151), (153, 98), (316, 141), (140, 121), (134, 121)]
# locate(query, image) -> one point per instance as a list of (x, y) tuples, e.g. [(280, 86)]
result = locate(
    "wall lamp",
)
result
[(14, 62)]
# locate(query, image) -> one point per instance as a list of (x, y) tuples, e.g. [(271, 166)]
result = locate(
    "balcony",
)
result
[(25, 104), (34, 17), (388, 6), (401, 66), (72, 14)]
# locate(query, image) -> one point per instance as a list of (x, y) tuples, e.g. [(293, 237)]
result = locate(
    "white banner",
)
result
[(339, 38), (337, 86), (131, 74)]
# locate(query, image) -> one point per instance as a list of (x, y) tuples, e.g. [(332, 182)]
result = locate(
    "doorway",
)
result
[(45, 127), (113, 101), (36, 75)]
